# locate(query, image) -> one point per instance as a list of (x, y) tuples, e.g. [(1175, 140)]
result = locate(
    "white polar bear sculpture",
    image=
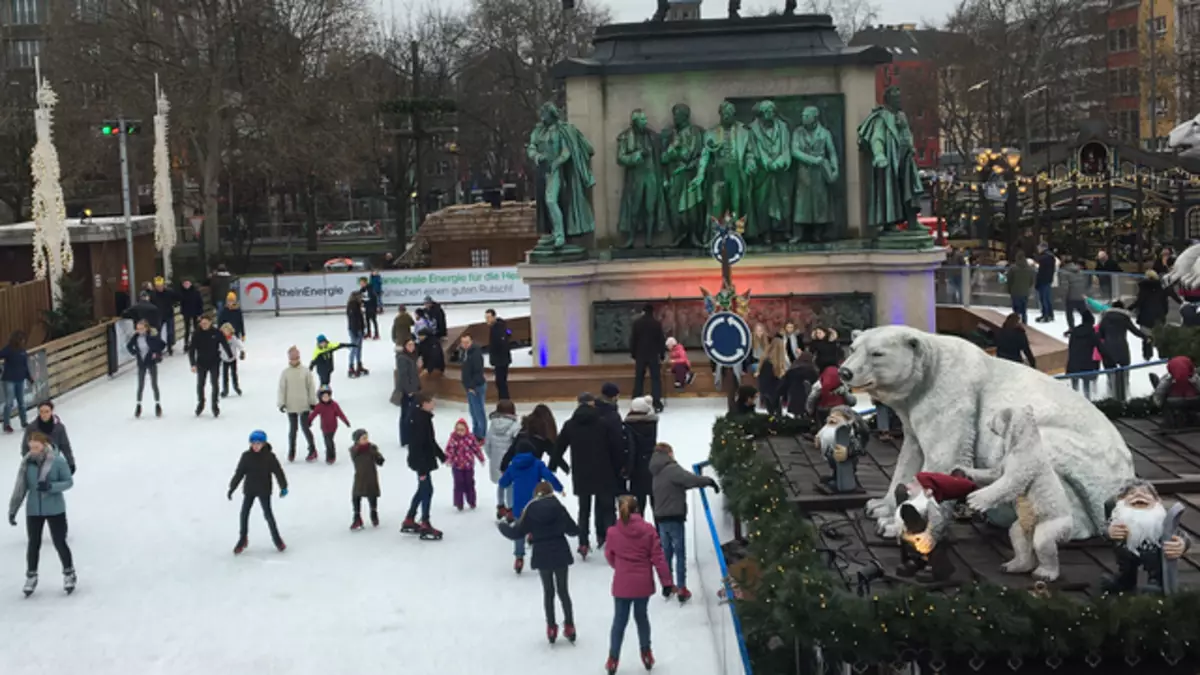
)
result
[(946, 391)]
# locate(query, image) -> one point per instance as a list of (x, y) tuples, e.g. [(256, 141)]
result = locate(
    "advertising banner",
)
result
[(331, 290)]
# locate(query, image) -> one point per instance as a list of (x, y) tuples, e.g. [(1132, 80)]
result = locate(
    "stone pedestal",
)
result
[(561, 296)]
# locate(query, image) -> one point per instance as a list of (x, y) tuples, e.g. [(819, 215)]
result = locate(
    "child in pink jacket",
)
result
[(462, 450), (681, 367), (633, 550)]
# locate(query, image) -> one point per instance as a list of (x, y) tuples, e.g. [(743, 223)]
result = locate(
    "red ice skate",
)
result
[(610, 666), (552, 633), (583, 551), (518, 565), (647, 659), (683, 594), (241, 546), (357, 524), (569, 632)]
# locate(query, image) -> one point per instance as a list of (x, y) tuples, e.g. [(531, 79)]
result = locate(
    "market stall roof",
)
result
[(107, 228)]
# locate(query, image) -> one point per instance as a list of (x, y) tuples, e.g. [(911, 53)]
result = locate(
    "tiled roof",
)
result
[(470, 221)]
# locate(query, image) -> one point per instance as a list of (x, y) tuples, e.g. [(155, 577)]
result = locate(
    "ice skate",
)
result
[(158, 410), (357, 524), (330, 459), (518, 564), (552, 633), (583, 551), (69, 580), (409, 526), (30, 583), (428, 531), (647, 659), (500, 512), (237, 390), (351, 374), (225, 394), (8, 428), (216, 409), (137, 412), (683, 594), (363, 371), (292, 455), (241, 546), (312, 455), (280, 546), (374, 519), (200, 408), (569, 632), (610, 666)]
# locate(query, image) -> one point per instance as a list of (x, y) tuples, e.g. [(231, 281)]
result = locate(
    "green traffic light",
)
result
[(106, 130)]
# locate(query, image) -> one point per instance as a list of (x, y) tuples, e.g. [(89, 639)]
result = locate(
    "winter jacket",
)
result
[(596, 452), (826, 353), (402, 329), (57, 432), (635, 553), (322, 358), (54, 469), (165, 300), (206, 347), (153, 346), (424, 453), (407, 381), (191, 302), (610, 415), (671, 483), (462, 451), (547, 524), (643, 434), (1111, 267), (1020, 278), (1181, 381), (770, 385), (1190, 314), (1047, 265), (1011, 343), (297, 391), (793, 343), (257, 468), (438, 316), (366, 459), (1115, 326), (472, 368), (219, 284), (647, 343), (829, 392), (798, 382), (499, 352), (144, 310), (236, 349), (232, 314), (1075, 281), (329, 412), (1151, 303), (356, 321), (501, 433), (525, 472), (678, 355), (376, 283), (543, 448), (370, 299), (1082, 341), (432, 355), (16, 365)]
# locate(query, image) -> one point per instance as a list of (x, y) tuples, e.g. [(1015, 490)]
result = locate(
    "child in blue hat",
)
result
[(256, 468)]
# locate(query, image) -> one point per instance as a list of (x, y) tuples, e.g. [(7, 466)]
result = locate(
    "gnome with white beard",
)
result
[(842, 440), (1146, 535)]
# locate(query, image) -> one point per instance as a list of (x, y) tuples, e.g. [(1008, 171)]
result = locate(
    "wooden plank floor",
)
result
[(1170, 460)]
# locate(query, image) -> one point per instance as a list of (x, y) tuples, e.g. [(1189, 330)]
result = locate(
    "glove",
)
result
[(229, 495), (379, 461), (283, 409), (12, 519), (242, 356), (667, 591), (44, 486), (72, 468), (715, 488), (283, 493)]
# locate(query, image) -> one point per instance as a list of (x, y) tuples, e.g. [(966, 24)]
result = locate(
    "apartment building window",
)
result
[(481, 257), (1158, 26), (21, 53), (23, 12), (1122, 39)]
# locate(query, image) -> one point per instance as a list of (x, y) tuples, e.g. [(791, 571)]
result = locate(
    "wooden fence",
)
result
[(23, 307)]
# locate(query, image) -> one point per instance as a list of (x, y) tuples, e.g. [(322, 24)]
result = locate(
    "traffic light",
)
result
[(113, 128)]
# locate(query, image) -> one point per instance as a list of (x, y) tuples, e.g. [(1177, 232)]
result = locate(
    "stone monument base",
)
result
[(900, 283)]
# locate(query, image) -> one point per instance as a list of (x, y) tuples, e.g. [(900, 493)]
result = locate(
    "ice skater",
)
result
[(229, 360), (297, 398), (256, 467), (147, 350), (503, 428), (367, 459), (330, 412), (370, 301), (16, 374), (205, 356), (49, 424), (547, 524), (462, 451), (356, 324), (671, 483), (635, 554), (322, 360), (423, 457), (524, 474), (231, 313), (42, 478)]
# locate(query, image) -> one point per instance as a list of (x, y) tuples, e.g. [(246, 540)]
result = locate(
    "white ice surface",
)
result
[(161, 592)]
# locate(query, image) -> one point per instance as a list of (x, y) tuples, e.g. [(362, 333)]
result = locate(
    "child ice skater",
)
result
[(147, 350), (503, 427), (523, 474), (635, 554), (231, 314), (547, 524), (322, 359), (671, 483), (462, 450), (229, 359), (256, 467), (367, 460), (329, 412), (681, 367)]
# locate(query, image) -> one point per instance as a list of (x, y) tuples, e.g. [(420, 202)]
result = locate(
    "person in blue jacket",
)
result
[(41, 480), (523, 474), (16, 374)]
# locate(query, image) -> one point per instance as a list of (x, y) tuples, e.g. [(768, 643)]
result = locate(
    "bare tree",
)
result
[(850, 16)]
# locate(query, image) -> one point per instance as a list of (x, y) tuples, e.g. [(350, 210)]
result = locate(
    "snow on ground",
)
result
[(161, 592)]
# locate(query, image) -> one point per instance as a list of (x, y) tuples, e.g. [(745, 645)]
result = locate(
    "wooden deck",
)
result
[(1170, 460)]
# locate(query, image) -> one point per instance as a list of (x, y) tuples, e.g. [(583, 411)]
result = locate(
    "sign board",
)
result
[(726, 338), (734, 243), (332, 289)]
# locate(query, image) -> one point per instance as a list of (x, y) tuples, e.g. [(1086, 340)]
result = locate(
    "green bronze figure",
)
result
[(642, 206), (894, 188), (563, 158), (772, 187), (816, 177), (684, 145), (726, 165)]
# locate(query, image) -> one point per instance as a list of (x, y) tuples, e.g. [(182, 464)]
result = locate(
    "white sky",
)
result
[(891, 11)]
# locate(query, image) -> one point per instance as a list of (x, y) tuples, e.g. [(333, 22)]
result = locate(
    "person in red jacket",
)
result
[(828, 394), (329, 412), (635, 553), (1178, 392)]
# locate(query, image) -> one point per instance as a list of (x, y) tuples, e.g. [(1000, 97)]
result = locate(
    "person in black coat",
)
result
[(798, 382), (771, 372), (438, 316), (826, 351), (191, 306), (356, 325), (1116, 323), (540, 431), (147, 350), (205, 356), (1047, 269), (547, 524), (1106, 267), (144, 310), (647, 346), (424, 455), (1082, 345), (1151, 307), (595, 465), (1012, 341), (370, 305), (642, 426), (499, 352), (165, 298), (256, 467), (433, 358)]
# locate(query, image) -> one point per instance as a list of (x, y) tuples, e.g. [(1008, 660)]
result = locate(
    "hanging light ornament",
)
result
[(164, 207), (52, 255)]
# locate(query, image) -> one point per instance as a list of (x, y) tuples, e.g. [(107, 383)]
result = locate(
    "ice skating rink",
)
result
[(160, 590)]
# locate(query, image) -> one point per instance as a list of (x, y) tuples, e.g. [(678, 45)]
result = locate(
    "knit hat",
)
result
[(671, 342), (642, 406), (158, 281), (610, 390), (463, 422), (324, 389), (293, 353), (358, 434), (231, 297), (258, 436), (321, 338), (585, 397)]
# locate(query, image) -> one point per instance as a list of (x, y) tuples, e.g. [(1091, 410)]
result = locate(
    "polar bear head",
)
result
[(889, 362)]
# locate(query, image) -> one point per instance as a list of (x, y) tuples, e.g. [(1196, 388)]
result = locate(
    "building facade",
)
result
[(1142, 70)]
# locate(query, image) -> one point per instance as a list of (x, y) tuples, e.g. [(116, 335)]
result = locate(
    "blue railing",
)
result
[(729, 591), (1111, 371)]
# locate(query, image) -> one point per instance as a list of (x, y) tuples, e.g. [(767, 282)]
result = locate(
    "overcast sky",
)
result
[(891, 11)]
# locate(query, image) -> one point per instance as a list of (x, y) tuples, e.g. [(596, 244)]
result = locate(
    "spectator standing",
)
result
[(647, 346), (436, 316), (499, 353)]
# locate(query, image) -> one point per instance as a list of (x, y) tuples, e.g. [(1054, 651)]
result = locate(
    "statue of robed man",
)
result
[(564, 174), (895, 188), (642, 204)]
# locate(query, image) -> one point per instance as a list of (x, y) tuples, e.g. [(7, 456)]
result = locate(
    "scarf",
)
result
[(44, 426), (21, 489)]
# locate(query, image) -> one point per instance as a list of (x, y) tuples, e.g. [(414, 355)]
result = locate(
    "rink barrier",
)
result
[(726, 585)]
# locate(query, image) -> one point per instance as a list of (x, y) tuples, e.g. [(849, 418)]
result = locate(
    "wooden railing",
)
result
[(23, 307)]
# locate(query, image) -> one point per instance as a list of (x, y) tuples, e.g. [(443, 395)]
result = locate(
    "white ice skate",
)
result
[(30, 583)]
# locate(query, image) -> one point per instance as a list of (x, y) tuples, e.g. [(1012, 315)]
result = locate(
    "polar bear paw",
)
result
[(880, 508), (888, 528), (1018, 566), (1044, 573)]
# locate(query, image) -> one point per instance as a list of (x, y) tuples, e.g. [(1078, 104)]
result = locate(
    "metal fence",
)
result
[(987, 286), (1121, 384), (716, 592)]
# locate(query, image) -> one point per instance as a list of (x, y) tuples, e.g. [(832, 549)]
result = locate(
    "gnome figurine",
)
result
[(1146, 535), (842, 441)]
